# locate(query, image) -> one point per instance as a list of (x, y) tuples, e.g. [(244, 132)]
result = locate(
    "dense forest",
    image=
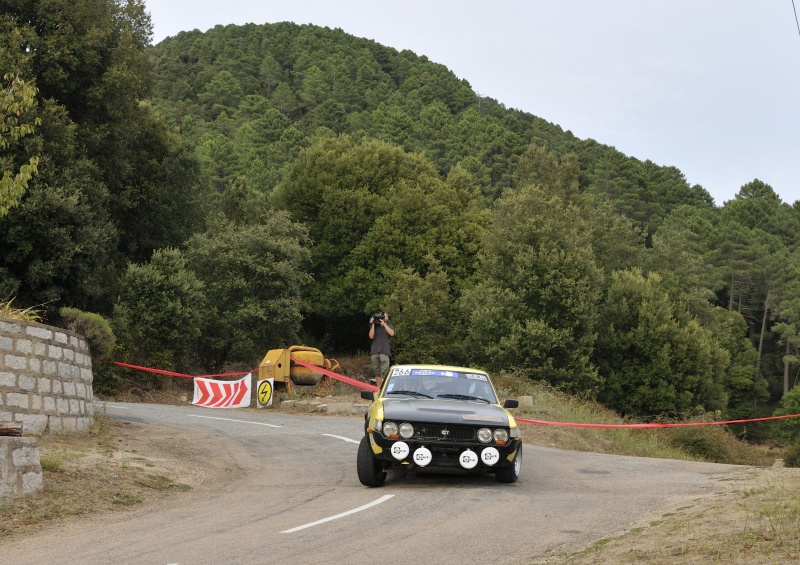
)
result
[(220, 194)]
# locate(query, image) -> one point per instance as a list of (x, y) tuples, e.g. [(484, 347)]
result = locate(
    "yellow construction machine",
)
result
[(277, 364)]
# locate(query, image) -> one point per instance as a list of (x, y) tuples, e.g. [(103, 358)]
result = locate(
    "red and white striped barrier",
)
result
[(222, 394)]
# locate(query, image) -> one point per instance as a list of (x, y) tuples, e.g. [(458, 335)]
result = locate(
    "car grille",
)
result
[(440, 432)]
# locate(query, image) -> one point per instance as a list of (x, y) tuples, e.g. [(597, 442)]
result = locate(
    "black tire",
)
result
[(510, 474), (370, 470)]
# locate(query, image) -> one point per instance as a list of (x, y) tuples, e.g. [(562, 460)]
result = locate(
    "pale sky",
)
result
[(711, 87)]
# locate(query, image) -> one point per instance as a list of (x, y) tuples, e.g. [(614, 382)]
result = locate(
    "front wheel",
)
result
[(510, 474), (370, 470)]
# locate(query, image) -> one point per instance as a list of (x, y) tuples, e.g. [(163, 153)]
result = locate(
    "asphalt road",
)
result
[(295, 499)]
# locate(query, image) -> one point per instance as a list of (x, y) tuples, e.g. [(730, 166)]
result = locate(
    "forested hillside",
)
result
[(223, 193)]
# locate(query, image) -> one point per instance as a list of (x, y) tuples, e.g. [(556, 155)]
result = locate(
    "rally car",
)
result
[(435, 416)]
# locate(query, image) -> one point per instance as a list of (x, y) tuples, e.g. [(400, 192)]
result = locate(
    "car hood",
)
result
[(444, 411)]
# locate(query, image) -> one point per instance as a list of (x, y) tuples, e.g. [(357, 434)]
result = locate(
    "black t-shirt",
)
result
[(380, 343)]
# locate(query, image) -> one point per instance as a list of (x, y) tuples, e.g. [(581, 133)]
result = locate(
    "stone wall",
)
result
[(45, 378), (20, 469)]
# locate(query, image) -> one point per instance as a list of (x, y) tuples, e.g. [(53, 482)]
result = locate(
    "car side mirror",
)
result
[(367, 395), (509, 403)]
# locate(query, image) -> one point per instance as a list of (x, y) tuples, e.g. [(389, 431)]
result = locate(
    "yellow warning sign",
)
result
[(265, 389)]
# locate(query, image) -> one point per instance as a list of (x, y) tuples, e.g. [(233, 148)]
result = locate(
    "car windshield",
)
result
[(432, 383)]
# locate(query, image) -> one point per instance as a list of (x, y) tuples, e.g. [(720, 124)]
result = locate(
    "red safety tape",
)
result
[(182, 375), (316, 368), (373, 388), (641, 426), (337, 376)]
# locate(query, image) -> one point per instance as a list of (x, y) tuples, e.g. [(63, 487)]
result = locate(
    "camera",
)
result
[(377, 316)]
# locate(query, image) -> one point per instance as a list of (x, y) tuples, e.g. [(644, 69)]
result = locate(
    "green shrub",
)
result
[(94, 328), (708, 443), (788, 429), (102, 345), (792, 456), (159, 312)]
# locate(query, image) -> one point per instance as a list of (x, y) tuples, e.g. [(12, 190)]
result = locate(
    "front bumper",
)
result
[(471, 456)]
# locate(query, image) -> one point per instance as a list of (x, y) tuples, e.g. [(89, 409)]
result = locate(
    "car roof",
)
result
[(454, 368)]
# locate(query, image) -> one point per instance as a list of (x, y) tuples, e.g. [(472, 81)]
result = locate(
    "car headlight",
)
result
[(501, 435), (406, 430), (514, 432), (484, 435), (389, 429), (378, 425)]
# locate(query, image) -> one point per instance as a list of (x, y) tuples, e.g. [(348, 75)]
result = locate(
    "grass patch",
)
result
[(155, 482), (127, 499), (7, 310), (52, 461), (777, 515), (701, 443), (600, 543)]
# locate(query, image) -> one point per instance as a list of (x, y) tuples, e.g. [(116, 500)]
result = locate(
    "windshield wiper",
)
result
[(409, 392), (463, 397)]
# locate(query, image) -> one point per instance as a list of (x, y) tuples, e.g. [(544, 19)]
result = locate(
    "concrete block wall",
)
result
[(45, 378)]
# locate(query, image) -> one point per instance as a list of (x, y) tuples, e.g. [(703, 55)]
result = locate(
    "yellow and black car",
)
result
[(436, 416)]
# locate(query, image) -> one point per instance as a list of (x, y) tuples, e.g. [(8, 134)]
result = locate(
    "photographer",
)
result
[(380, 332)]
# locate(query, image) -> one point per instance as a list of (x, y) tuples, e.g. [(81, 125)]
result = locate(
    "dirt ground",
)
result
[(117, 465), (757, 522), (109, 468)]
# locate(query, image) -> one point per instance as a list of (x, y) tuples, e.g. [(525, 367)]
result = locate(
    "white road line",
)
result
[(117, 407), (231, 420), (342, 438), (342, 515)]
